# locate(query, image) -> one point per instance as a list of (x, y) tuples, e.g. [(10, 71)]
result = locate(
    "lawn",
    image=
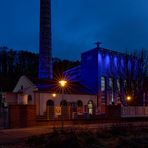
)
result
[(126, 137)]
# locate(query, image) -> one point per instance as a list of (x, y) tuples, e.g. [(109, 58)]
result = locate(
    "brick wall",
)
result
[(22, 116)]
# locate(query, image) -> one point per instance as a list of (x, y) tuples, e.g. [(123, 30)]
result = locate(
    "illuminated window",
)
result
[(111, 96), (90, 107), (125, 83), (103, 97), (118, 85), (111, 83), (118, 90), (102, 83)]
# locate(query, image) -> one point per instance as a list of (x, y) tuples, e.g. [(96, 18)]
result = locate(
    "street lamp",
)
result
[(53, 96), (62, 85), (128, 98)]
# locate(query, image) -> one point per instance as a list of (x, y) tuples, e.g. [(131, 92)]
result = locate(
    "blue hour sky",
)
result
[(76, 25)]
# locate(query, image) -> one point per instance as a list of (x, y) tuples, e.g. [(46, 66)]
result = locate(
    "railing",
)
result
[(134, 111)]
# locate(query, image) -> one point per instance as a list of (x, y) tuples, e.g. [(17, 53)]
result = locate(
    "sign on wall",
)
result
[(57, 110)]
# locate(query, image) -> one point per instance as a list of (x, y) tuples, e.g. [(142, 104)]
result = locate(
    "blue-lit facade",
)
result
[(105, 72)]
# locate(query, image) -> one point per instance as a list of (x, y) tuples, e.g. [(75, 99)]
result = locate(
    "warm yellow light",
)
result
[(54, 95), (128, 98), (62, 83)]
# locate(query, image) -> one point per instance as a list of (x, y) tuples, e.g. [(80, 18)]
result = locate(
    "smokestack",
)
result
[(45, 51)]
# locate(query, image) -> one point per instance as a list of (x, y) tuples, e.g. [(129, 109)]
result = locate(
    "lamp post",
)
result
[(53, 96), (62, 85)]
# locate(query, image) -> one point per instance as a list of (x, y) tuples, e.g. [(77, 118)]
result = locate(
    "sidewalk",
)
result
[(15, 135)]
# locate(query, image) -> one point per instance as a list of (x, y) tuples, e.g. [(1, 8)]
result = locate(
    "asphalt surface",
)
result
[(14, 135)]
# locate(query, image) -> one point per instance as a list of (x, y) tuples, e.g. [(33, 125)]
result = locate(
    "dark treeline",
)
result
[(14, 64)]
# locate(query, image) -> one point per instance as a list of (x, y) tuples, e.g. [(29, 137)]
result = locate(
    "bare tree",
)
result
[(136, 68)]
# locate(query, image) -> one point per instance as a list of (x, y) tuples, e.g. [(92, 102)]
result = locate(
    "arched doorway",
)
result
[(64, 109), (63, 103), (29, 99), (79, 107), (50, 109), (79, 103), (90, 106), (50, 103)]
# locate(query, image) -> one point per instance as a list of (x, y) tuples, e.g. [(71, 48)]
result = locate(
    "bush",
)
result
[(77, 138)]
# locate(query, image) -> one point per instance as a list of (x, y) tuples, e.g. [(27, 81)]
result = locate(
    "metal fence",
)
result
[(134, 111)]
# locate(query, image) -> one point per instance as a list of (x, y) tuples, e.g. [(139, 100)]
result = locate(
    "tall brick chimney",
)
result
[(45, 47)]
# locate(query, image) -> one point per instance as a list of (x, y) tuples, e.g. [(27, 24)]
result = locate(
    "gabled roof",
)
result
[(46, 85), (70, 88)]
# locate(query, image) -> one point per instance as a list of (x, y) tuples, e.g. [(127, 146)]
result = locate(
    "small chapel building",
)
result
[(47, 96)]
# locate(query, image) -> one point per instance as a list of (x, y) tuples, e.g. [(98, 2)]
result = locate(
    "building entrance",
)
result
[(90, 107), (50, 109)]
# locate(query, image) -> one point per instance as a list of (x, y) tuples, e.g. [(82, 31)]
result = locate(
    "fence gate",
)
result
[(3, 117)]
